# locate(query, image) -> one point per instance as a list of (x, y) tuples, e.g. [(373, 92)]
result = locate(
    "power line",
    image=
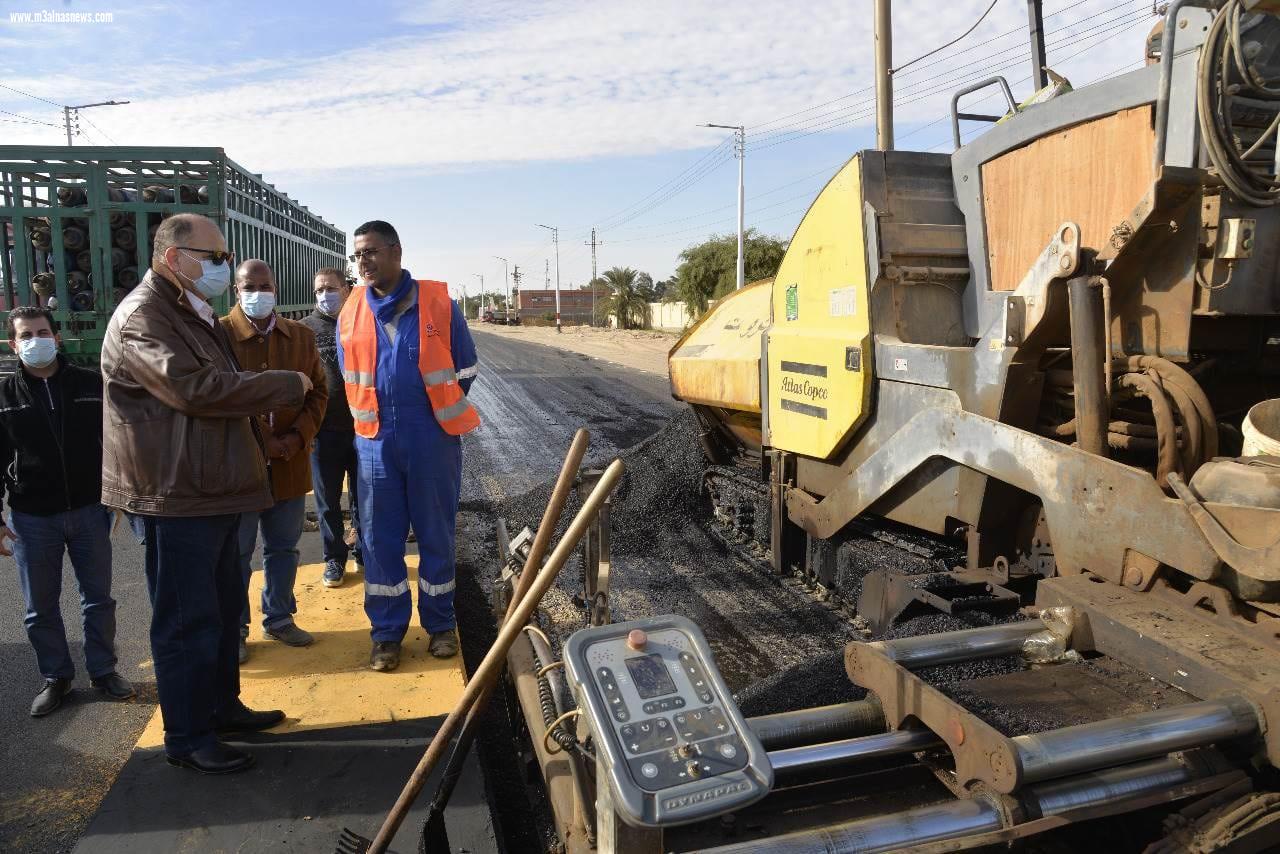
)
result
[(967, 77), (958, 38), (833, 118), (867, 89), (29, 119), (99, 130), (29, 95)]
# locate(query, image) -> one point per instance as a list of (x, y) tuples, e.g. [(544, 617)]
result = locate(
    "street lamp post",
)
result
[(555, 238), (740, 151), (506, 286), (68, 110), (480, 276)]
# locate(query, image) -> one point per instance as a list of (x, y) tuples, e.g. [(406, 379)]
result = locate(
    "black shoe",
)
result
[(50, 697), (218, 759), (332, 574), (246, 719), (243, 653), (444, 644), (113, 685), (385, 656)]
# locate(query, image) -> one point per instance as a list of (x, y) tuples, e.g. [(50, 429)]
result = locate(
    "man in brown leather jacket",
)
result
[(263, 340), (181, 451)]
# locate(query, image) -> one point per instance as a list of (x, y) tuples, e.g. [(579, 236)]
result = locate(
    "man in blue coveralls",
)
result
[(408, 361)]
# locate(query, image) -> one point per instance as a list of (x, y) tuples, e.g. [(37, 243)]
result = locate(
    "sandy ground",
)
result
[(643, 350)]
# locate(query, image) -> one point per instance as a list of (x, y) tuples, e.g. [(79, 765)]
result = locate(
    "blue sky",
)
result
[(465, 123)]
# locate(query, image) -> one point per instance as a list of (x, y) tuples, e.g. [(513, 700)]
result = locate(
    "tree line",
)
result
[(707, 272)]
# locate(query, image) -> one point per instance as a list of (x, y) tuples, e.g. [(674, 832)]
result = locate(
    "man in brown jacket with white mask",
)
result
[(182, 452)]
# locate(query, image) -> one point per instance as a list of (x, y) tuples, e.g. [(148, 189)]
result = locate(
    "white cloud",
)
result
[(468, 85), (506, 82)]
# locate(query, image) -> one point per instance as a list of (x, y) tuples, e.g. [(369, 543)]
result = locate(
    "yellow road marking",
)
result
[(329, 684)]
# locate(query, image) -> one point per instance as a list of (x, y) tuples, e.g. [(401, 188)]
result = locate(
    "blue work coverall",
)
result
[(410, 473)]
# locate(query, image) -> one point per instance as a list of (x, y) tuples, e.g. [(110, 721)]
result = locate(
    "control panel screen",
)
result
[(650, 675)]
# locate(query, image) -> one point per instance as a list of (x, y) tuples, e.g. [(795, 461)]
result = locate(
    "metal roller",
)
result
[(891, 832), (816, 757), (1108, 785), (1071, 750), (965, 645), (817, 725)]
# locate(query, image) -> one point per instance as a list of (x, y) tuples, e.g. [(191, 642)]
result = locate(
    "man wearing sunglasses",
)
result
[(182, 453), (408, 361)]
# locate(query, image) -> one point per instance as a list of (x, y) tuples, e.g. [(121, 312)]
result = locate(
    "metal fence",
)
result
[(78, 224)]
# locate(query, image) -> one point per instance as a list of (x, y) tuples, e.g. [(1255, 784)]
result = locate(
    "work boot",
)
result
[(290, 635), (50, 697), (385, 656), (113, 685), (245, 719), (444, 644), (218, 758), (244, 650), (332, 574)]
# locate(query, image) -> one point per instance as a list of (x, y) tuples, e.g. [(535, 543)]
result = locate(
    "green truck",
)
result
[(77, 224)]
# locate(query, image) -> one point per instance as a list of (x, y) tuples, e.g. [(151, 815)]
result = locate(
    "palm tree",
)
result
[(627, 303)]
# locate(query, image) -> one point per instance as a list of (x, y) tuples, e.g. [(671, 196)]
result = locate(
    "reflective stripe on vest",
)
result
[(357, 330)]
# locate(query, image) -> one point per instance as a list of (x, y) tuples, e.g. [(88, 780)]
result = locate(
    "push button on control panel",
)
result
[(701, 723), (696, 677), (666, 704), (612, 696), (648, 736)]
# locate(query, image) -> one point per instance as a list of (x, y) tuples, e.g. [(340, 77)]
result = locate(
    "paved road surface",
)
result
[(57, 769)]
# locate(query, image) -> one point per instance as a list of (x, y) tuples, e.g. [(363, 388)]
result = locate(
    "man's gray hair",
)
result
[(174, 231)]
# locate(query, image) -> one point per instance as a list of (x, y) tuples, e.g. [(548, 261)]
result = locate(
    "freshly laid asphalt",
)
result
[(58, 769)]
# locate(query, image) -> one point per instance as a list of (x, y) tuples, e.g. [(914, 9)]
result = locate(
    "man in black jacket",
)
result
[(51, 452), (333, 453)]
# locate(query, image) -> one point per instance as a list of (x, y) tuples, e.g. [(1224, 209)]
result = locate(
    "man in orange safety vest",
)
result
[(407, 362)]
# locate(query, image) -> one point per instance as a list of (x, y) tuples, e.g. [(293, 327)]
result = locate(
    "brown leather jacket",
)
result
[(290, 346), (177, 432)]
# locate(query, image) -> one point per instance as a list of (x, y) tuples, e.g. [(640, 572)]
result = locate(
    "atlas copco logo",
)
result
[(804, 389), (685, 801)]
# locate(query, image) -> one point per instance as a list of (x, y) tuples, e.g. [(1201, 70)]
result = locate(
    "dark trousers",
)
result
[(333, 458), (193, 575), (83, 534)]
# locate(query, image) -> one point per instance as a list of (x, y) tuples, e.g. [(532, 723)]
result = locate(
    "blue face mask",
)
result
[(37, 352), (214, 278), (329, 302), (258, 304)]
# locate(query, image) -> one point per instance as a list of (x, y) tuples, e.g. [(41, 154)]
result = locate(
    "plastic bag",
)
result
[(1050, 646)]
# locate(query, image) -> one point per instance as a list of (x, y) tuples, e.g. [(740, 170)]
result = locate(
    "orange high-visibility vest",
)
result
[(357, 328)]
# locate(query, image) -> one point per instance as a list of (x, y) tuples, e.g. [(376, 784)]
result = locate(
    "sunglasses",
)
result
[(217, 256)]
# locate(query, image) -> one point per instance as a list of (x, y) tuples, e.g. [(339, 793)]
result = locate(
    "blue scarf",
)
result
[(384, 308)]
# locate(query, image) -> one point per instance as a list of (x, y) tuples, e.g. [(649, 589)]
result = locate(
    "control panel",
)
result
[(665, 726)]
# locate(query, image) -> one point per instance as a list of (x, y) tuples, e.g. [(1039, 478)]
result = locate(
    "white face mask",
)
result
[(37, 352), (214, 278), (258, 304), (329, 302)]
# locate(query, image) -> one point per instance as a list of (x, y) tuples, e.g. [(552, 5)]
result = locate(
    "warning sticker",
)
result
[(844, 302), (793, 302)]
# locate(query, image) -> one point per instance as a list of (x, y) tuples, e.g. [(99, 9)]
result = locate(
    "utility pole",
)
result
[(1035, 23), (68, 111), (464, 301), (515, 288), (593, 244), (555, 239), (480, 276), (740, 151), (506, 281), (883, 24)]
